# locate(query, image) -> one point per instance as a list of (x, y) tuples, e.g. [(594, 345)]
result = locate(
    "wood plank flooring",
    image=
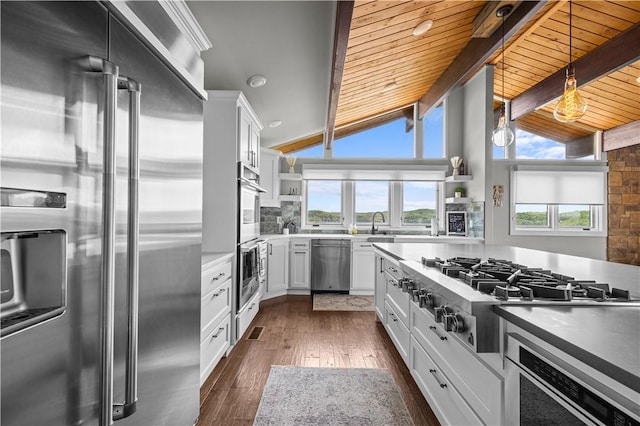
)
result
[(296, 335)]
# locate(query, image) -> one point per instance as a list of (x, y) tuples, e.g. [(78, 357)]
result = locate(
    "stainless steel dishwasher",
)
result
[(330, 265)]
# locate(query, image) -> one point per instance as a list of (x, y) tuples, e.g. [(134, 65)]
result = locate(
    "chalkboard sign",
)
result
[(457, 223)]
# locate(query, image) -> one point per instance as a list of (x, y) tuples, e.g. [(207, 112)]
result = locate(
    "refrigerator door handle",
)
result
[(122, 410), (109, 71)]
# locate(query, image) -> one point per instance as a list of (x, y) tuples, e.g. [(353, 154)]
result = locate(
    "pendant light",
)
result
[(571, 105), (503, 135)]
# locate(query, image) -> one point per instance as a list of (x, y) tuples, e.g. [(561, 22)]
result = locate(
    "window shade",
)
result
[(559, 187), (373, 172)]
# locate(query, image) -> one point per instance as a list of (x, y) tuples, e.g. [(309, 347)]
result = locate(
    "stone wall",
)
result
[(623, 242)]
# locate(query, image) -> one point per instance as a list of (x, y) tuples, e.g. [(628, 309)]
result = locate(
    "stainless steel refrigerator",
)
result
[(101, 220)]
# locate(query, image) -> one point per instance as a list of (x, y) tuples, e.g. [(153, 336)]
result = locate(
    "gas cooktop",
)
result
[(508, 281)]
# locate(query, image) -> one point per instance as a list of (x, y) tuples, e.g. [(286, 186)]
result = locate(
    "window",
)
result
[(371, 197), (324, 202), (529, 145), (569, 201), (389, 140), (419, 204), (313, 151), (433, 137)]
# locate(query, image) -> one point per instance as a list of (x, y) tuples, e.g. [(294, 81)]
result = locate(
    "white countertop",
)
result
[(211, 257), (405, 238)]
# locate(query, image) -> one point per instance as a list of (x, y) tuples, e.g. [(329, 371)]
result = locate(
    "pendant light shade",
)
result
[(502, 134), (571, 105)]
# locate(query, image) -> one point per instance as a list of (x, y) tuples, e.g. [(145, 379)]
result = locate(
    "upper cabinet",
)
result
[(249, 128), (269, 177)]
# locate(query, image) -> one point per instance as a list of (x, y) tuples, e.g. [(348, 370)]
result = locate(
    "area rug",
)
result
[(305, 396), (342, 302)]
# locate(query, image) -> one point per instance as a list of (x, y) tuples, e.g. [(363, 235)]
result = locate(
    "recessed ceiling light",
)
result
[(257, 81), (638, 79), (390, 86), (275, 123), (422, 28)]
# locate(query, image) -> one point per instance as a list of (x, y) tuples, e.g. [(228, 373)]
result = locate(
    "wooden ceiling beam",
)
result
[(618, 52), (621, 136), (474, 55), (340, 41)]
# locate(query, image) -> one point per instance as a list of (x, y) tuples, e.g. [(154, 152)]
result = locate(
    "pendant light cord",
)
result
[(570, 37), (503, 103)]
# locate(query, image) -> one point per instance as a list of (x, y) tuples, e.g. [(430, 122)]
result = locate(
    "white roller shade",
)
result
[(560, 187), (373, 172)]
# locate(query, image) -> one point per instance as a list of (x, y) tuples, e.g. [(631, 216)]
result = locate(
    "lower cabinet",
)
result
[(398, 331), (445, 401), (247, 314), (300, 265), (362, 268), (215, 313), (277, 266)]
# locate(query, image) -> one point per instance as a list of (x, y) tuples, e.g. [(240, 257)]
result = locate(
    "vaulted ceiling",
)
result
[(386, 68)]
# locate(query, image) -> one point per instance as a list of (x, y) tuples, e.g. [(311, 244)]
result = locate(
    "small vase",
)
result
[(456, 171), (458, 194), (291, 170)]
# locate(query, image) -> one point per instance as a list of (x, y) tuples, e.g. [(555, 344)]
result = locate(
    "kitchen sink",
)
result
[(381, 239)]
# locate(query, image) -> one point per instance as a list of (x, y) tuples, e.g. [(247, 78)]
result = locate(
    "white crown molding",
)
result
[(182, 16)]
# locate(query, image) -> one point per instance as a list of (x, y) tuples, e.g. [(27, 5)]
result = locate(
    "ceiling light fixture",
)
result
[(571, 105), (390, 86), (257, 81), (422, 28), (503, 135), (275, 123)]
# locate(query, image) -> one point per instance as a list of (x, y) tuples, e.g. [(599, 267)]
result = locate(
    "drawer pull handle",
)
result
[(365, 245), (220, 275), (393, 317), (433, 372), (393, 283), (215, 336), (433, 328), (222, 290), (251, 307)]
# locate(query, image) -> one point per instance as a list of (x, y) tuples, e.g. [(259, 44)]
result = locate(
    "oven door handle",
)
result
[(250, 184)]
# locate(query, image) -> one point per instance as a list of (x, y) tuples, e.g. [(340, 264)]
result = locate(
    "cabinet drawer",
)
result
[(391, 268), (247, 314), (296, 244), (213, 347), (477, 383), (398, 299), (362, 245), (447, 404), (214, 305), (398, 332), (213, 277)]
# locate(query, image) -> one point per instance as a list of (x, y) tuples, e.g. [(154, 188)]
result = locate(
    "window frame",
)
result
[(394, 221), (595, 230)]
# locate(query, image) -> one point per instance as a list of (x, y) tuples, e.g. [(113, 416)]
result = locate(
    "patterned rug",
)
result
[(304, 396), (342, 302)]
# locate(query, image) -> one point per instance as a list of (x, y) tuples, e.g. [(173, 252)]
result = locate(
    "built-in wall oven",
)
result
[(248, 271), (249, 200), (549, 387)]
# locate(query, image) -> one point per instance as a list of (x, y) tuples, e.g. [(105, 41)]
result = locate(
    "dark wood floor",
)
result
[(296, 335)]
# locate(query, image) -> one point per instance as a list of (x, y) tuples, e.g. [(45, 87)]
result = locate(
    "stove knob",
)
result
[(454, 323), (426, 300), (441, 312)]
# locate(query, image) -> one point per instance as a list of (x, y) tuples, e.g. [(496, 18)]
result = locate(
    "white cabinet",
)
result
[(249, 128), (269, 177), (381, 286), (247, 314), (299, 264), (277, 267), (362, 268), (215, 313), (228, 125)]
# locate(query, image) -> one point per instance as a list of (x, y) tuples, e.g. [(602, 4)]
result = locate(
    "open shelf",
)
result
[(459, 178), (290, 176), (458, 200), (290, 197)]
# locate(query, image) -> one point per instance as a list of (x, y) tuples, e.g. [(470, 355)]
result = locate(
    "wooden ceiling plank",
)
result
[(622, 136), (474, 55), (340, 41), (519, 38), (299, 144), (610, 56)]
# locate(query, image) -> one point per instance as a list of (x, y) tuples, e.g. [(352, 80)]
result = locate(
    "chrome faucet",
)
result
[(373, 222)]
